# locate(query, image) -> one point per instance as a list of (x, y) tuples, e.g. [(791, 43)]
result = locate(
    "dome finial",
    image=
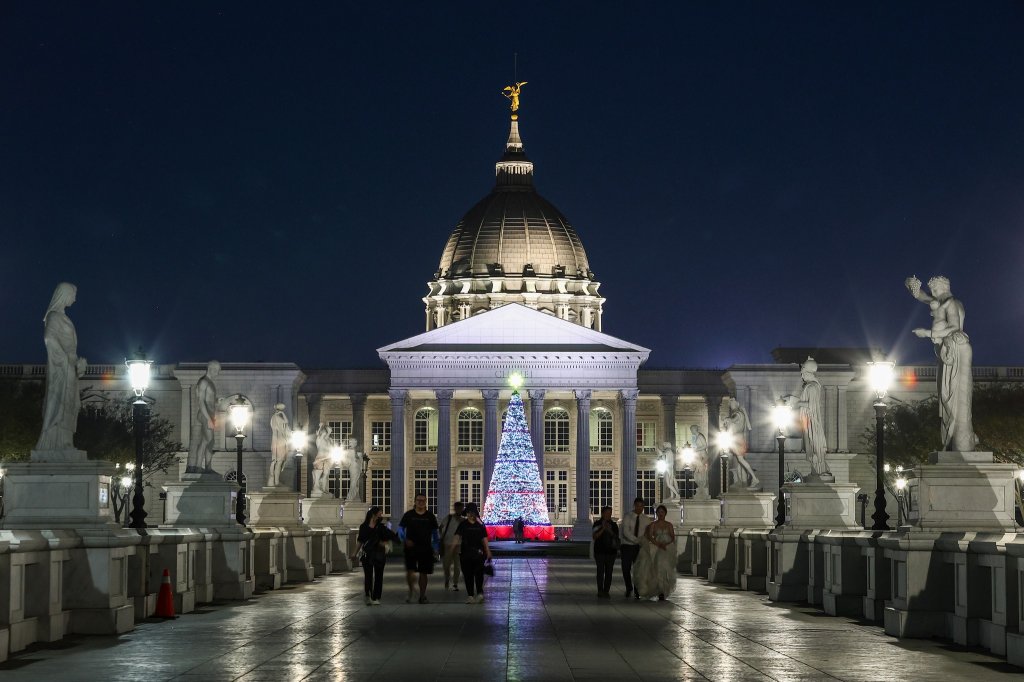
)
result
[(512, 93)]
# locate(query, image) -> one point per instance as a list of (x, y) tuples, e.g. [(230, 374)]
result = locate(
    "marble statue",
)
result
[(699, 443), (322, 461), (669, 455), (953, 348), (351, 460), (737, 424), (811, 411), (204, 421), (279, 445), (63, 370)]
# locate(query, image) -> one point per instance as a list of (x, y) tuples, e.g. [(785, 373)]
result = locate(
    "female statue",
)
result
[(737, 424), (812, 418), (63, 369)]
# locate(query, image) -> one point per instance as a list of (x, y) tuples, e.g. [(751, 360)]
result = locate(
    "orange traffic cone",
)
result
[(165, 600)]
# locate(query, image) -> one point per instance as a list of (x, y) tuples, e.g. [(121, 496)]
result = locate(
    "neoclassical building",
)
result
[(514, 292)]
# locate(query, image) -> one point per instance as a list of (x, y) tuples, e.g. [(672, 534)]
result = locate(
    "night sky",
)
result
[(276, 182)]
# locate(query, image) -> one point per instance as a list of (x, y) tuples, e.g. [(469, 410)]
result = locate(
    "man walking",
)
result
[(450, 546), (634, 523), (418, 528)]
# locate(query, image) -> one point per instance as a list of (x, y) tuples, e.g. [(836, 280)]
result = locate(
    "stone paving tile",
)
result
[(541, 621)]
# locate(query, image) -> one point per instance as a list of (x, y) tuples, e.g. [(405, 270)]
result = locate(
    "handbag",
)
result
[(489, 568)]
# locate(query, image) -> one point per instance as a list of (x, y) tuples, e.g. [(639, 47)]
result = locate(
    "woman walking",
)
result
[(655, 569), (473, 549), (374, 540)]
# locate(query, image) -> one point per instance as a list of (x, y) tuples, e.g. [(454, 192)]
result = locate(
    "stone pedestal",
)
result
[(822, 505), (740, 511), (57, 494), (202, 502), (695, 514), (338, 517), (962, 491), (278, 509), (846, 572)]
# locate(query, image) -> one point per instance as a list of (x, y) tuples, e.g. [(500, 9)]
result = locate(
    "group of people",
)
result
[(647, 547), (460, 540)]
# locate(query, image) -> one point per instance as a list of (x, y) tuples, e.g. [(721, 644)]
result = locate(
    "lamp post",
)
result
[(782, 415), (901, 488), (688, 455), (240, 413), (366, 470), (725, 442), (126, 485), (138, 376), (661, 467), (299, 440), (880, 376), (335, 461)]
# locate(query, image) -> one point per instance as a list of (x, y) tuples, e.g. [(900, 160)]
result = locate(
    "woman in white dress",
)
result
[(654, 572)]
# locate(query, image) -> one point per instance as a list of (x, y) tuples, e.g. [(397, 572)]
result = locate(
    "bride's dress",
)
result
[(654, 572)]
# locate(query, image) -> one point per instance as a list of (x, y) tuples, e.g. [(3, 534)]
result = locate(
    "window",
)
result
[(600, 490), (339, 431), (646, 436), (556, 490), (556, 430), (424, 482), (684, 481), (601, 432), (380, 436), (380, 490), (424, 430), (471, 485), (647, 488), (339, 485), (683, 435), (471, 430)]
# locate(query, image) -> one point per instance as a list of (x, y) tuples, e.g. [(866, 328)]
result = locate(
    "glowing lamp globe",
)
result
[(299, 440), (336, 454), (901, 483), (688, 454), (126, 481), (515, 380), (782, 416), (240, 412), (662, 467), (139, 372), (725, 441), (880, 376)]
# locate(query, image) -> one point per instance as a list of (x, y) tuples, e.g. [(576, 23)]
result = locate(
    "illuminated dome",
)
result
[(514, 246)]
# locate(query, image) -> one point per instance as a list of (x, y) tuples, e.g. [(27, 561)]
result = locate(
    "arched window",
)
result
[(601, 432), (471, 430), (424, 430), (233, 476), (556, 430)]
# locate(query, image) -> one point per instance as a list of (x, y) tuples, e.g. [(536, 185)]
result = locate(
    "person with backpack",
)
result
[(374, 538)]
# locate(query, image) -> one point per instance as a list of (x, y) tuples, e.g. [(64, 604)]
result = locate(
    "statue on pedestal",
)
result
[(63, 370), (204, 421), (322, 461), (737, 424), (699, 442), (351, 460), (279, 445), (953, 348), (668, 454), (812, 420)]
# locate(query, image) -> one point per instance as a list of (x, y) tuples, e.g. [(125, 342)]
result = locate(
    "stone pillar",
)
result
[(444, 450), (537, 428), (582, 530), (359, 435), (843, 436), (492, 429), (628, 396), (831, 417), (314, 401), (186, 416), (714, 408), (668, 411), (398, 396)]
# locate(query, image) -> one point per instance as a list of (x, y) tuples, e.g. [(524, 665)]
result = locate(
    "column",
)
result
[(186, 416), (314, 401), (628, 396), (398, 396), (491, 433), (358, 434), (668, 412), (843, 436), (713, 403), (583, 529), (537, 428), (444, 450), (832, 417)]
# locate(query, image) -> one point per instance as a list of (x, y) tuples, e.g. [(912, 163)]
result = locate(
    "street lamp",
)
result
[(901, 487), (299, 441), (662, 467), (688, 455), (335, 461), (240, 413), (725, 442), (782, 415), (880, 376), (366, 469), (138, 376)]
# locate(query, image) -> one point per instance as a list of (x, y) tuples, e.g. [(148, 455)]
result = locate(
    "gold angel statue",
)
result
[(512, 93)]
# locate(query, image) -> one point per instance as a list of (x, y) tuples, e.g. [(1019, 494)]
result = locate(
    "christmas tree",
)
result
[(515, 489)]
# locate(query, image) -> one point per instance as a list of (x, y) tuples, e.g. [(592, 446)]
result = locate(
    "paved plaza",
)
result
[(541, 621)]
